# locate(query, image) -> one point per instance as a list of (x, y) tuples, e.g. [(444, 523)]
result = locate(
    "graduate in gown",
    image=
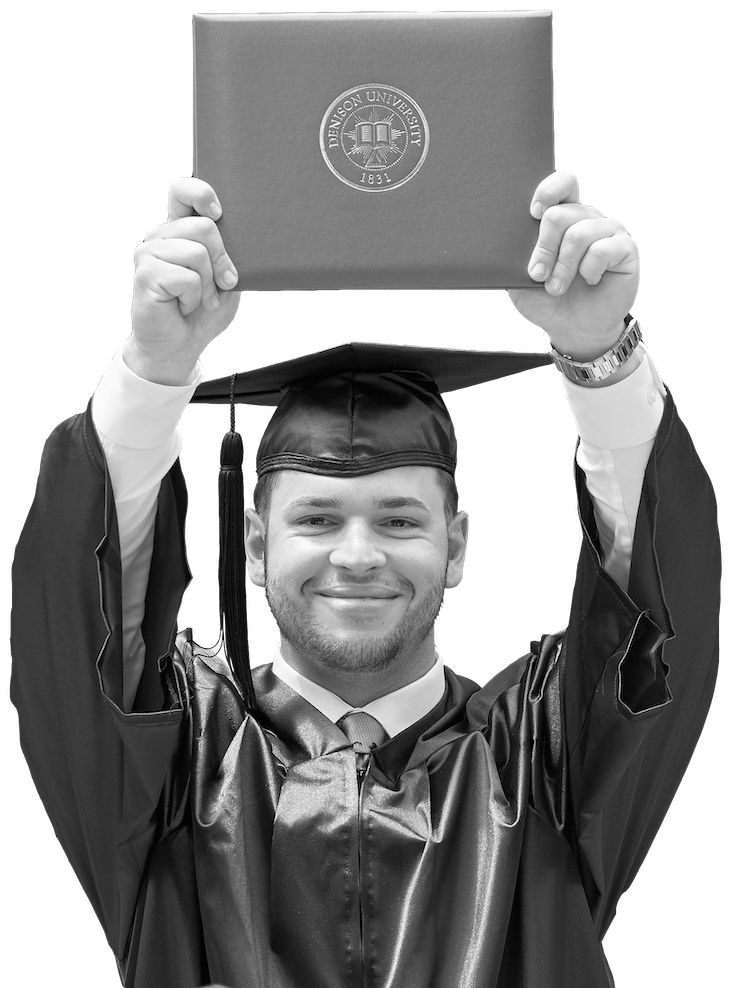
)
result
[(225, 827)]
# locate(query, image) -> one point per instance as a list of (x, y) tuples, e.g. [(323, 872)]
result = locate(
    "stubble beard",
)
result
[(366, 654)]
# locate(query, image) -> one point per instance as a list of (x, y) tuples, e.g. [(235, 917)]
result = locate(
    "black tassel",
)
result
[(232, 561)]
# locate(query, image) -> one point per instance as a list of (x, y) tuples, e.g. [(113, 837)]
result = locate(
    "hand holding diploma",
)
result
[(589, 266), (177, 307)]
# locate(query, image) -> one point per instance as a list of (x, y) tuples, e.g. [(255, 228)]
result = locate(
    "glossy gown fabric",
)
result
[(485, 846)]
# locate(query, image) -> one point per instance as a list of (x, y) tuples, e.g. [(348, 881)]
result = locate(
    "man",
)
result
[(486, 838)]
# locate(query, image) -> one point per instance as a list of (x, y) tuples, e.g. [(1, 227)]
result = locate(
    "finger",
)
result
[(553, 226), (578, 238), (155, 264), (618, 253), (561, 186), (189, 196), (582, 239), (161, 281), (202, 230)]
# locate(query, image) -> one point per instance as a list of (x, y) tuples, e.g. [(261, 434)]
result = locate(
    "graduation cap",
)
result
[(348, 411)]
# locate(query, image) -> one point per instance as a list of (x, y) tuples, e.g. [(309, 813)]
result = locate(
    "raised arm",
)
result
[(635, 670), (100, 767), (177, 310)]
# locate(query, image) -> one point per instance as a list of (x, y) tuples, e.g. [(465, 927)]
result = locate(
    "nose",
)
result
[(357, 549)]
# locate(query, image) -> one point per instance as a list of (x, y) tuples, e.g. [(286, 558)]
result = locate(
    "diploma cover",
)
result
[(375, 150)]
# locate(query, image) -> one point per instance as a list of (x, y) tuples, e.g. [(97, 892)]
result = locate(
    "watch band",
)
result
[(605, 365)]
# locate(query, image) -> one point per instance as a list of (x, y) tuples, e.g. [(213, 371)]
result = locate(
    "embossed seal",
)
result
[(374, 137)]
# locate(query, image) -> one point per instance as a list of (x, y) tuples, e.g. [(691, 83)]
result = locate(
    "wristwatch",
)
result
[(605, 365)]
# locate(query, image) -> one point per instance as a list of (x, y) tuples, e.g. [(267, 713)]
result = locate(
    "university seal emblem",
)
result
[(374, 137)]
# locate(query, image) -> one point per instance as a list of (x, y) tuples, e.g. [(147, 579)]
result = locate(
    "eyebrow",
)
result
[(391, 503), (334, 503)]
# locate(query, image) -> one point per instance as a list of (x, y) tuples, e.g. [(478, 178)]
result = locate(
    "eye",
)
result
[(314, 521), (400, 524)]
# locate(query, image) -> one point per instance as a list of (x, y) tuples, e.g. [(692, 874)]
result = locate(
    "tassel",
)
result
[(232, 561)]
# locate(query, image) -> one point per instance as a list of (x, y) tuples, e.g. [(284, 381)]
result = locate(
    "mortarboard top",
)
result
[(362, 407), (450, 369), (347, 411)]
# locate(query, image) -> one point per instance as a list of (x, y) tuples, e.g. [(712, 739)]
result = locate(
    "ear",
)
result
[(255, 538), (458, 536)]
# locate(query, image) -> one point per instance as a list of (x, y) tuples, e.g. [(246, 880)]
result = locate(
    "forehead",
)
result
[(420, 483)]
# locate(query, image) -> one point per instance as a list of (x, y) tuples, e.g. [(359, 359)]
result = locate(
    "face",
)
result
[(355, 568)]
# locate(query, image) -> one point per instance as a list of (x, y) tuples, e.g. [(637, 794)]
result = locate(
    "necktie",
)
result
[(364, 733)]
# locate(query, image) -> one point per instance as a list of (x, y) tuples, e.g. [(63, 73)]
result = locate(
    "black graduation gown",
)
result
[(486, 846)]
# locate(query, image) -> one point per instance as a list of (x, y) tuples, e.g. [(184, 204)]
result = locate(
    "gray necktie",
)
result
[(364, 733)]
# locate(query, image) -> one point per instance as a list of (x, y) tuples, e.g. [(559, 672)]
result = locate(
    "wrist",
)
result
[(585, 346), (611, 365), (158, 367)]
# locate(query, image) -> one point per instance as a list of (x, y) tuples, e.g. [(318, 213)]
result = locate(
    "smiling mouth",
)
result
[(359, 593)]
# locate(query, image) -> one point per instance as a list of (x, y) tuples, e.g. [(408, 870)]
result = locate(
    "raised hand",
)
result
[(589, 266), (177, 307)]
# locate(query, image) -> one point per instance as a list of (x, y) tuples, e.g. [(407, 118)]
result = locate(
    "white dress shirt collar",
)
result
[(395, 711)]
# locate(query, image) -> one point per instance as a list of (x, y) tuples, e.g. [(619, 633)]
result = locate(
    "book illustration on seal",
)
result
[(376, 141)]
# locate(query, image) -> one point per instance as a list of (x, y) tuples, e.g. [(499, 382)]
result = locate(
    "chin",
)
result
[(358, 650)]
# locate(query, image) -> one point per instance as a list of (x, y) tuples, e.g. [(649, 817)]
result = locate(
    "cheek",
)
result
[(293, 561), (423, 563)]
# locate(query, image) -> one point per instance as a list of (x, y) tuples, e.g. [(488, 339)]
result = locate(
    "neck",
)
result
[(360, 686)]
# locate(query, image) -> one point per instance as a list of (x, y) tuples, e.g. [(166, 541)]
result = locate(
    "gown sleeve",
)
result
[(100, 772), (637, 668)]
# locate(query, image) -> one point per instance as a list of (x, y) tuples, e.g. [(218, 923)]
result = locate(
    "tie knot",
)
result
[(363, 731)]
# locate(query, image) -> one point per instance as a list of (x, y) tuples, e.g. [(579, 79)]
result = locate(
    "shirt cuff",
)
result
[(624, 414), (137, 413)]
